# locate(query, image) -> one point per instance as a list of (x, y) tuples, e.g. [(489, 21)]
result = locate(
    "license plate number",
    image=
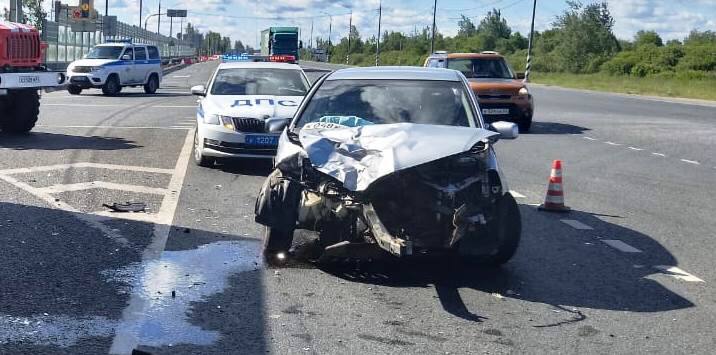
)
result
[(262, 140), (29, 79), (496, 111)]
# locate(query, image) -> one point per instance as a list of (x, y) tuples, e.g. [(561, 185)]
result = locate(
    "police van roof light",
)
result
[(282, 58)]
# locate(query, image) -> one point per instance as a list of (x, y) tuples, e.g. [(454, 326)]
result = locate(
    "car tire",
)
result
[(74, 90), (525, 124), (20, 111), (112, 86), (199, 158), (152, 85), (508, 229)]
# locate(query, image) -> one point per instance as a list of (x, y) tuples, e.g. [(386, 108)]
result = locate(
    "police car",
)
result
[(248, 102), (111, 66)]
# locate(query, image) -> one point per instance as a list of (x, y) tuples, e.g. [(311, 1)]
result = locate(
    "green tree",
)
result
[(494, 25), (647, 37), (465, 27), (35, 13)]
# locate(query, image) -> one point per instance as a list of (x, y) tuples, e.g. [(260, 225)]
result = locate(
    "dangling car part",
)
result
[(394, 158)]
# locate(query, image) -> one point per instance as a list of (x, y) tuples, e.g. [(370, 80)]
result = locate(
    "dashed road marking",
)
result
[(635, 148), (691, 161), (516, 194), (621, 246), (576, 224), (590, 138), (111, 127), (659, 154), (174, 106), (181, 76), (612, 143), (142, 169), (102, 185), (678, 273)]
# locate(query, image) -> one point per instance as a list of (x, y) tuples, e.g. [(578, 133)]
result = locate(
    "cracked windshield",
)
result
[(357, 177)]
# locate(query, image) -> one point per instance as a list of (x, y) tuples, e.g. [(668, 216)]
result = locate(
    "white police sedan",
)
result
[(245, 108)]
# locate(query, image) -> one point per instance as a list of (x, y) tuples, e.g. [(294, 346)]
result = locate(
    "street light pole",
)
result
[(529, 44), (140, 15), (350, 32), (330, 32), (377, 44), (106, 8), (432, 41), (159, 21)]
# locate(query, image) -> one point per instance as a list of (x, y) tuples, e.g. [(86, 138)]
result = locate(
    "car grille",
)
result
[(494, 97), (249, 125), (23, 46), (82, 69)]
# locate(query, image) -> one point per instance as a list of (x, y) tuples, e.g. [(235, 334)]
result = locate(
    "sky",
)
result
[(244, 19)]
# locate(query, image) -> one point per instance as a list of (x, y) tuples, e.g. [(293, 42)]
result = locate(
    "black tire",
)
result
[(525, 124), (19, 111), (199, 158), (152, 84), (74, 90), (507, 229), (112, 86)]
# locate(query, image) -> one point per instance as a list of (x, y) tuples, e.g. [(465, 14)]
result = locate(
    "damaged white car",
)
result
[(391, 158)]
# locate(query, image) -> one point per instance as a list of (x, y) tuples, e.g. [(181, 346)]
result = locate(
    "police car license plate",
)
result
[(29, 79), (262, 140), (495, 111)]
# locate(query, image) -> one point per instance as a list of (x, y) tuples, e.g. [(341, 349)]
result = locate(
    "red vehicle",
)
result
[(22, 75)]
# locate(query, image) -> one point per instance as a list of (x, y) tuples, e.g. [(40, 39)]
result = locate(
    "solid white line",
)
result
[(637, 149), (143, 169), (181, 76), (677, 273), (576, 224), (516, 194), (691, 162), (102, 185), (590, 138), (126, 334), (109, 127), (182, 127), (173, 106), (659, 154), (621, 246), (85, 105), (612, 143)]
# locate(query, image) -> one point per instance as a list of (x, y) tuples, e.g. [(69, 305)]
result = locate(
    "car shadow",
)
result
[(542, 127), (56, 141), (555, 265), (249, 167), (138, 94)]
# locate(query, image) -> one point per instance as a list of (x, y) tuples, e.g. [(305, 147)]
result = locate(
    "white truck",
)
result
[(22, 75)]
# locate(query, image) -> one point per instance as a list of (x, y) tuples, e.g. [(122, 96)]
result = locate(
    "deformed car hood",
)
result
[(358, 156)]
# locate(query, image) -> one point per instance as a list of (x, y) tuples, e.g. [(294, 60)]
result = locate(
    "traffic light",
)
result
[(85, 8)]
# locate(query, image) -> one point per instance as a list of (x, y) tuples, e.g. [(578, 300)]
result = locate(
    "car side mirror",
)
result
[(199, 90), (276, 124), (507, 130), (520, 75), (126, 57)]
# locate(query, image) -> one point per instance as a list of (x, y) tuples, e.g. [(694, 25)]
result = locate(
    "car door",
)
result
[(126, 74), (141, 65)]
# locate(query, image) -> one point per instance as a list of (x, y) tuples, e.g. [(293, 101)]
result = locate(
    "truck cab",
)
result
[(111, 66), (281, 41)]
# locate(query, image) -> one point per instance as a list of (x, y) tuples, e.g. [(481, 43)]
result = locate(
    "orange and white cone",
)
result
[(554, 201)]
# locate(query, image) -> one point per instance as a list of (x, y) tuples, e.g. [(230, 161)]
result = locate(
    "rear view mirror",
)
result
[(507, 130), (126, 57), (199, 90), (520, 75)]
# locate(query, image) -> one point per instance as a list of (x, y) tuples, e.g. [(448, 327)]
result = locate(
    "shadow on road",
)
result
[(555, 265), (248, 167), (542, 127), (139, 94), (55, 141)]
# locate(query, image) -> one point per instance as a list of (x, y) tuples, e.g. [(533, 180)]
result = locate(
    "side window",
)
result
[(129, 52), (436, 63), (140, 53), (153, 52)]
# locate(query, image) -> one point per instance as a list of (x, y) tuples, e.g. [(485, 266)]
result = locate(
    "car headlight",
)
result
[(523, 92), (227, 122), (211, 119), (97, 69)]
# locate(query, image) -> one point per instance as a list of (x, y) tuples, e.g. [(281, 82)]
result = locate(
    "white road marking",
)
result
[(659, 154), (635, 148), (125, 339), (691, 161), (677, 273), (142, 169), (612, 143), (108, 127), (621, 246), (181, 76), (576, 224), (173, 106), (85, 105), (516, 194), (590, 138), (102, 185)]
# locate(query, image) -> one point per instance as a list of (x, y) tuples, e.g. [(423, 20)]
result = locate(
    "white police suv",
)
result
[(246, 106), (111, 66)]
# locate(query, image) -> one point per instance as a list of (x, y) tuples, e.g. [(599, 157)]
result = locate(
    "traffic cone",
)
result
[(554, 201)]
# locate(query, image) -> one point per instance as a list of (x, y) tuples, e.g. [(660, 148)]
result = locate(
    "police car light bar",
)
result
[(282, 58), (227, 58)]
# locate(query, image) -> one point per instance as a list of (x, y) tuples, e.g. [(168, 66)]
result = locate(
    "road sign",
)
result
[(176, 13), (109, 25), (83, 26)]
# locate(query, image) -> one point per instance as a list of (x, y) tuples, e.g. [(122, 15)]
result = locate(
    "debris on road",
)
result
[(127, 207)]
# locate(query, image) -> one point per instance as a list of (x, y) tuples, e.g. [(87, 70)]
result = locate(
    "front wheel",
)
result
[(525, 124), (199, 158), (504, 232), (18, 114), (112, 86), (152, 85), (74, 90)]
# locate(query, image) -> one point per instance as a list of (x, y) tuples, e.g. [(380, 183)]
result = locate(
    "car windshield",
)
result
[(391, 101), (481, 68), (104, 53), (259, 81)]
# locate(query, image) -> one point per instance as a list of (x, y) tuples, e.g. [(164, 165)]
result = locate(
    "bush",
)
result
[(643, 69)]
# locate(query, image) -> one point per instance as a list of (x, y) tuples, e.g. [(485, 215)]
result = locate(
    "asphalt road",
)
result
[(629, 270)]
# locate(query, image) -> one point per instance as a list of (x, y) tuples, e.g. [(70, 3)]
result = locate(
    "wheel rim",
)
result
[(197, 147)]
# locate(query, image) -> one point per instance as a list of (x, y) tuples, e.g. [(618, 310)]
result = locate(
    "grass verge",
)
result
[(667, 87)]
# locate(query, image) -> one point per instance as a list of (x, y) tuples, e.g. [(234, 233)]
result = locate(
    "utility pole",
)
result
[(350, 32), (330, 31), (529, 44), (377, 44), (159, 21), (432, 41), (106, 9), (140, 13), (310, 40)]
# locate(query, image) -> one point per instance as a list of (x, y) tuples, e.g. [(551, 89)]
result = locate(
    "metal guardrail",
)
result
[(65, 46)]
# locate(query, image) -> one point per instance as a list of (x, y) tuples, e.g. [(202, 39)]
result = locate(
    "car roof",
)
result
[(493, 55), (247, 64), (395, 73), (123, 44)]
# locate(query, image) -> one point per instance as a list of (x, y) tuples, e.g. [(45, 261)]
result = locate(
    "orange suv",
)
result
[(500, 92)]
